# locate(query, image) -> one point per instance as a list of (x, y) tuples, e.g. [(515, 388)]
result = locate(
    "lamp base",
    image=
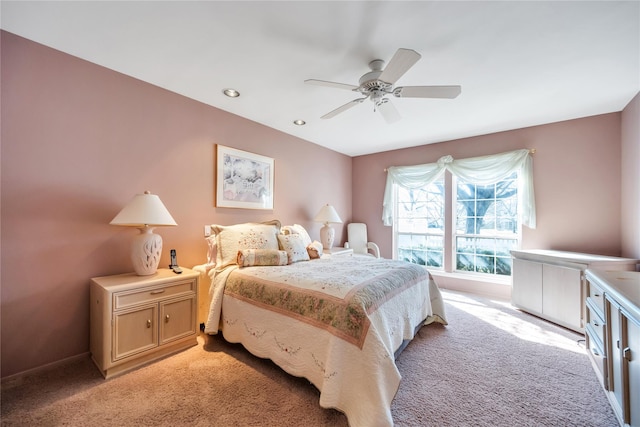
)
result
[(146, 249), (327, 235)]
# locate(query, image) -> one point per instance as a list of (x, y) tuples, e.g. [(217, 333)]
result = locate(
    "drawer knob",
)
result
[(166, 319), (596, 295), (159, 291), (148, 323), (596, 324)]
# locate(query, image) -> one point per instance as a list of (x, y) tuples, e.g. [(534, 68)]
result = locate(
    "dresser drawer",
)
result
[(595, 319), (141, 296), (596, 295), (597, 355)]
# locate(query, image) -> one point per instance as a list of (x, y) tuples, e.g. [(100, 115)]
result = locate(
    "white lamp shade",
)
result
[(144, 209), (328, 214)]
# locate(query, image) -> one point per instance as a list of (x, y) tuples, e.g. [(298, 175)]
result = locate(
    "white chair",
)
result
[(357, 240)]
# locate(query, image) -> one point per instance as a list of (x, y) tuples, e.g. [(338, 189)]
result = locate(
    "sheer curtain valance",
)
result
[(482, 170)]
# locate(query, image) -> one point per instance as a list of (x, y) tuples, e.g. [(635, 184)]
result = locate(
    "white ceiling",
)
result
[(519, 63)]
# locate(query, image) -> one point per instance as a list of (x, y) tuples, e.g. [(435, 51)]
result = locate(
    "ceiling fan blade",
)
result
[(330, 84), (449, 92), (343, 108), (388, 111), (402, 60)]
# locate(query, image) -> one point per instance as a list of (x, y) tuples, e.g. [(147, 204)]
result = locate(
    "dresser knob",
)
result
[(148, 323), (166, 319)]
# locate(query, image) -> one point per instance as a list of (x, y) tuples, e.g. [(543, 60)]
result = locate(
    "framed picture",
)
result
[(243, 179)]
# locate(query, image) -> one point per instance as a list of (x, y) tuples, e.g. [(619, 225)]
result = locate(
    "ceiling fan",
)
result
[(378, 83)]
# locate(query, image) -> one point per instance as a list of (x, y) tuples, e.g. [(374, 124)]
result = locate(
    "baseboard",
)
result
[(19, 377)]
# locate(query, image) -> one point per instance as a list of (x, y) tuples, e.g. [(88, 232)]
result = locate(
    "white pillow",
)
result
[(233, 238), (298, 229), (294, 246)]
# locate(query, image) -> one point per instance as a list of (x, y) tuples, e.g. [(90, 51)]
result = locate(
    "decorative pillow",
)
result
[(314, 249), (294, 246), (233, 238), (286, 229), (298, 229), (254, 257)]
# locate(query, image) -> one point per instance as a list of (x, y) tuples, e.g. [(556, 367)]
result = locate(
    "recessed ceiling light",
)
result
[(231, 93), (299, 122)]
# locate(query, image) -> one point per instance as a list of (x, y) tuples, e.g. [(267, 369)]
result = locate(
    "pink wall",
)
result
[(576, 179), (78, 141), (631, 179)]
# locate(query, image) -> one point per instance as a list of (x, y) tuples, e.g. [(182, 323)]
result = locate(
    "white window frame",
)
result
[(450, 216), (443, 235), (517, 238)]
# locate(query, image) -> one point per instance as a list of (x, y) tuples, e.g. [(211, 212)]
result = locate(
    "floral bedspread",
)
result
[(329, 294), (336, 322)]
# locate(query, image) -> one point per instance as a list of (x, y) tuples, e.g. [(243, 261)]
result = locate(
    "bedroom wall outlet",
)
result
[(207, 230)]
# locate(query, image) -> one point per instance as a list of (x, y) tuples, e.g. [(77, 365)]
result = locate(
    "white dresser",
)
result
[(551, 284), (613, 338)]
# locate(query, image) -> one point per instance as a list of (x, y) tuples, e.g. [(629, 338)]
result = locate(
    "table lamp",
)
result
[(146, 212), (327, 215)]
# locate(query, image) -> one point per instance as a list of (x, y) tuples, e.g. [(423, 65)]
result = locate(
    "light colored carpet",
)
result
[(491, 366)]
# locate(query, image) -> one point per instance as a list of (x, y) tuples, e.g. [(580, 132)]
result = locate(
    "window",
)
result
[(486, 226), (420, 224), (467, 225)]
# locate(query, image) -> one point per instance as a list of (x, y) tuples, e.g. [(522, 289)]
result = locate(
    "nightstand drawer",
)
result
[(142, 296)]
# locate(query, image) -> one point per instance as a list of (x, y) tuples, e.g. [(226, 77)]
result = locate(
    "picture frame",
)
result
[(243, 180)]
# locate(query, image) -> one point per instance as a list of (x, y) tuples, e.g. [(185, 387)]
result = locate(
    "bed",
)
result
[(337, 321)]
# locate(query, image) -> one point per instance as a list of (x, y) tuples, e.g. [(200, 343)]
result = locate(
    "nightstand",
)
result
[(337, 251), (138, 319)]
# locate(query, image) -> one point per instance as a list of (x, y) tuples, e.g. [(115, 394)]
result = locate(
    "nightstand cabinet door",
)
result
[(135, 331), (177, 319)]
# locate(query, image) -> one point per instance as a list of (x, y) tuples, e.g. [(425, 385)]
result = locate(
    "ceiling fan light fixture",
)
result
[(231, 93)]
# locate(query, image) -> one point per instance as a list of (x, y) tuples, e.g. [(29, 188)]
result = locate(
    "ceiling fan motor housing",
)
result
[(369, 82)]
